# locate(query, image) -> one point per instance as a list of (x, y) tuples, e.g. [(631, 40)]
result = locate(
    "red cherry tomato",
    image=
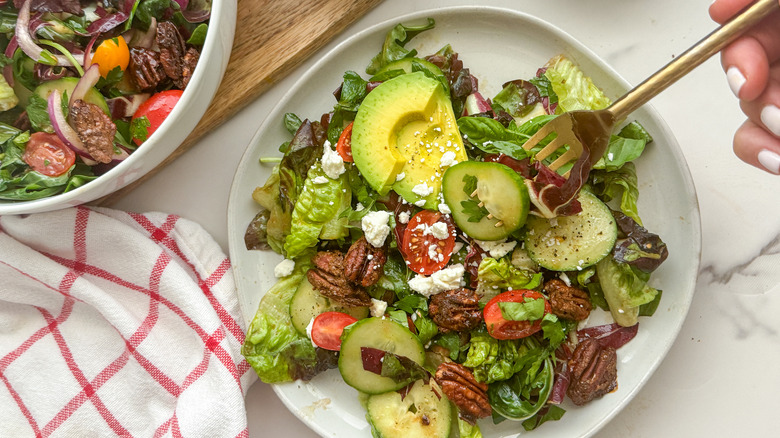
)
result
[(344, 146), (47, 154), (156, 109), (500, 328), (425, 252), (327, 328)]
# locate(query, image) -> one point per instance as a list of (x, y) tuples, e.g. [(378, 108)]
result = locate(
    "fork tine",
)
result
[(564, 158), (543, 132), (551, 147)]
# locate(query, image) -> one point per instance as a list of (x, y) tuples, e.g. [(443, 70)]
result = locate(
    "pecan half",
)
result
[(327, 277), (567, 301), (455, 310), (460, 386), (177, 61), (593, 371), (95, 129), (364, 263), (145, 68)]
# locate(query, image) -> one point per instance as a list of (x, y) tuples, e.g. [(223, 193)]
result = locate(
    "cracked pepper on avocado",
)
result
[(420, 261)]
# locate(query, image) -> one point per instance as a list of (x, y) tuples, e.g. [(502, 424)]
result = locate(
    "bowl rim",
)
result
[(219, 9)]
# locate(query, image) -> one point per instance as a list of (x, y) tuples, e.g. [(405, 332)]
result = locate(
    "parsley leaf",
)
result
[(469, 184), (139, 128), (472, 208)]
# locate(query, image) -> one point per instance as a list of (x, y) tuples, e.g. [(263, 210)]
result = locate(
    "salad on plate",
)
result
[(85, 83), (452, 279)]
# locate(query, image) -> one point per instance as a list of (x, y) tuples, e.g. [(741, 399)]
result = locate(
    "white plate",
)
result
[(497, 45)]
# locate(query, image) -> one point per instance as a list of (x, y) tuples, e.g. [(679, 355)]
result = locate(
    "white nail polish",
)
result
[(736, 80), (770, 160), (770, 117)]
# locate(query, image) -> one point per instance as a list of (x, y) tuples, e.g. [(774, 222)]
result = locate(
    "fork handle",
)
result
[(691, 58)]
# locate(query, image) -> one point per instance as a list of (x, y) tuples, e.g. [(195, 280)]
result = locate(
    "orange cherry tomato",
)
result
[(46, 154), (156, 110), (110, 54), (327, 328), (344, 145), (425, 252), (501, 328)]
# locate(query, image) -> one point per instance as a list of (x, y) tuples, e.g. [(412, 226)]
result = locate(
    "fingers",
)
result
[(747, 68), (722, 10), (756, 146)]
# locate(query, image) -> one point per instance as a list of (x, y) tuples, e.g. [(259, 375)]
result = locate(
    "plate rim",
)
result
[(674, 147)]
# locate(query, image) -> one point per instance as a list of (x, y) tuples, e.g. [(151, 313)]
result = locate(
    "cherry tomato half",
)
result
[(110, 54), (156, 110), (327, 328), (500, 328), (344, 146), (47, 154), (425, 252)]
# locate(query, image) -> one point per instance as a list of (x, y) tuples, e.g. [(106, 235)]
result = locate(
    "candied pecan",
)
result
[(364, 263), (328, 278), (178, 61), (95, 129), (593, 371), (568, 302), (462, 388), (145, 68), (455, 310)]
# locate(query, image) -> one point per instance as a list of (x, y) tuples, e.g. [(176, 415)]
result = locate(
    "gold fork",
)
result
[(593, 128)]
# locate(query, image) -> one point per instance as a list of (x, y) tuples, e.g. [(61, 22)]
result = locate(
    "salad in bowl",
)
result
[(426, 260), (86, 83)]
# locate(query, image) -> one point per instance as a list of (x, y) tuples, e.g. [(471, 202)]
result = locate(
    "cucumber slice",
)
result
[(569, 243), (67, 85), (382, 334), (308, 303), (501, 190), (420, 414)]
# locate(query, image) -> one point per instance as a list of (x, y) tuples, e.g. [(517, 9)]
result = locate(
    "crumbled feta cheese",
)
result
[(400, 176), (439, 230), (284, 268), (403, 217), (320, 180), (448, 159), (497, 248), (378, 307), (444, 208), (422, 189), (610, 156), (359, 207), (375, 227), (420, 203), (446, 279), (332, 163)]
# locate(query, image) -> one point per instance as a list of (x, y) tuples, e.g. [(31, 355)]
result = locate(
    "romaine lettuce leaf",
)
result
[(273, 347), (621, 182), (496, 276), (574, 89), (625, 290), (314, 209)]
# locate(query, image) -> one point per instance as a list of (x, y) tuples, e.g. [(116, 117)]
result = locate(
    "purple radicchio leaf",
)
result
[(396, 367), (610, 335), (107, 21), (640, 248), (69, 6)]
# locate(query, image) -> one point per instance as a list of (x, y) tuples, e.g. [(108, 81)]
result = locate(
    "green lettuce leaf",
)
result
[(393, 48), (496, 276), (314, 209), (621, 182), (8, 97), (273, 347), (574, 89), (625, 290), (468, 430)]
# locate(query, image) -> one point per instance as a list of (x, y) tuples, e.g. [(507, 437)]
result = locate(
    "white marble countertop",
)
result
[(720, 377)]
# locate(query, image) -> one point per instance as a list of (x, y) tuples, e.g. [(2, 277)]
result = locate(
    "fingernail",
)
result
[(770, 160), (736, 80), (770, 117)]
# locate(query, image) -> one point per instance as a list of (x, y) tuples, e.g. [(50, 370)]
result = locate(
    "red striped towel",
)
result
[(118, 324)]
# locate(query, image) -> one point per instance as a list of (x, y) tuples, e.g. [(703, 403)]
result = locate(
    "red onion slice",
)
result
[(125, 106), (88, 53), (63, 129), (90, 78), (25, 39)]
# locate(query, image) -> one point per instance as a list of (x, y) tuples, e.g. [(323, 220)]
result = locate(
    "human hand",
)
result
[(752, 65)]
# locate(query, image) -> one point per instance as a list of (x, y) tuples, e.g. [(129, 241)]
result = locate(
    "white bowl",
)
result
[(171, 133)]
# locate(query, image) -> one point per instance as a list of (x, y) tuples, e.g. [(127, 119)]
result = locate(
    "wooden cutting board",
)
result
[(272, 38)]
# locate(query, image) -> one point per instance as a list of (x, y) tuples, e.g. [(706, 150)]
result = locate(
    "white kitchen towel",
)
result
[(118, 324)]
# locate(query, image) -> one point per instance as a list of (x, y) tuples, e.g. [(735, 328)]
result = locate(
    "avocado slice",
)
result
[(402, 130)]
